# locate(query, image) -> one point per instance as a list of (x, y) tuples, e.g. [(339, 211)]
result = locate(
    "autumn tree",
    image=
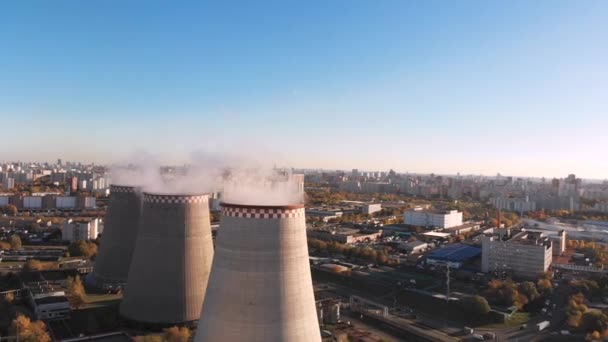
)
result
[(575, 310), (10, 210), (76, 292), (32, 265), (5, 245), (28, 331), (148, 338), (15, 241), (177, 334), (86, 249), (8, 298)]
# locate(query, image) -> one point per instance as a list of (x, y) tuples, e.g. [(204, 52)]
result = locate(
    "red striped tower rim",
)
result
[(263, 211), (175, 198), (276, 207), (124, 188)]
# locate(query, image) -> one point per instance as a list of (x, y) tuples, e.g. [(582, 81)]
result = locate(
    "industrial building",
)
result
[(118, 239), (260, 287), (525, 254), (558, 239), (344, 235), (171, 262), (433, 218), (454, 256), (413, 247)]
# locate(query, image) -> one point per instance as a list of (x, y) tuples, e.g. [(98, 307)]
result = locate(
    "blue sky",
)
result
[(518, 87)]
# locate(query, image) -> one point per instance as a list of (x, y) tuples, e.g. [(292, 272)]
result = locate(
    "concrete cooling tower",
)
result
[(260, 289), (171, 262), (118, 238)]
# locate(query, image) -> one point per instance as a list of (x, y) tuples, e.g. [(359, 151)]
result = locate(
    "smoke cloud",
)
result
[(240, 179)]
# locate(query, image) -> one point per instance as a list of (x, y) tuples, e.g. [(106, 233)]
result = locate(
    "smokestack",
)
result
[(118, 240), (260, 288), (171, 263)]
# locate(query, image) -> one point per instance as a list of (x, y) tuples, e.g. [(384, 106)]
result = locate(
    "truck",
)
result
[(542, 325)]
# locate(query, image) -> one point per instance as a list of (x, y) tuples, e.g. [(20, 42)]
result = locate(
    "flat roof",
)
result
[(437, 234), (455, 252)]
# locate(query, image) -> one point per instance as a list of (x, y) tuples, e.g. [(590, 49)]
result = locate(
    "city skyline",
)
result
[(475, 87)]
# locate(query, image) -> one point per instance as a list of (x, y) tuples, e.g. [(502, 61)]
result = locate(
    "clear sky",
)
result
[(517, 87)]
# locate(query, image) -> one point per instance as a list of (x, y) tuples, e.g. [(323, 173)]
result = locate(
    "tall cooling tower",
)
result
[(260, 287), (119, 235), (172, 260)]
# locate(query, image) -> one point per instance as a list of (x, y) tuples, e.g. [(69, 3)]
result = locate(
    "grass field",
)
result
[(516, 319), (102, 299)]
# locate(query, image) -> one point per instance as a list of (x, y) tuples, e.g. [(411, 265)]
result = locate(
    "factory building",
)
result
[(344, 235), (260, 287), (432, 218), (118, 239), (525, 254), (454, 256), (171, 262)]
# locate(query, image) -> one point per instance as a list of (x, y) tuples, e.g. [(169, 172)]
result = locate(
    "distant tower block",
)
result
[(171, 262), (118, 239), (260, 289)]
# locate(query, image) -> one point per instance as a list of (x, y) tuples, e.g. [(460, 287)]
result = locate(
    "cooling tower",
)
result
[(171, 262), (118, 238), (260, 289)]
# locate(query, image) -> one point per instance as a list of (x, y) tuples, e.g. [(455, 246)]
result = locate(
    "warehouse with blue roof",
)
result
[(454, 255)]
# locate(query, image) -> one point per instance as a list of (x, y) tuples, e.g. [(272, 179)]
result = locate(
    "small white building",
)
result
[(76, 230), (370, 208), (433, 218), (414, 247)]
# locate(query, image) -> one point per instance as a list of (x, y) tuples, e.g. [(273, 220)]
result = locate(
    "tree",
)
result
[(528, 289), (593, 320), (475, 305), (76, 291), (33, 265), (15, 241), (177, 334), (10, 209), (28, 331), (9, 297), (5, 245)]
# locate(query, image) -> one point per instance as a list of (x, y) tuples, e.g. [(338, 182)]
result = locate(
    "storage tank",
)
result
[(260, 288), (171, 262), (118, 239)]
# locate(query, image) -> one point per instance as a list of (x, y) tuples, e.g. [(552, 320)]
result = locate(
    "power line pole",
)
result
[(447, 283)]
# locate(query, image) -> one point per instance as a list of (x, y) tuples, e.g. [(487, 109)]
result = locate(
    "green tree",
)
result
[(528, 289), (15, 241), (28, 331), (475, 305)]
